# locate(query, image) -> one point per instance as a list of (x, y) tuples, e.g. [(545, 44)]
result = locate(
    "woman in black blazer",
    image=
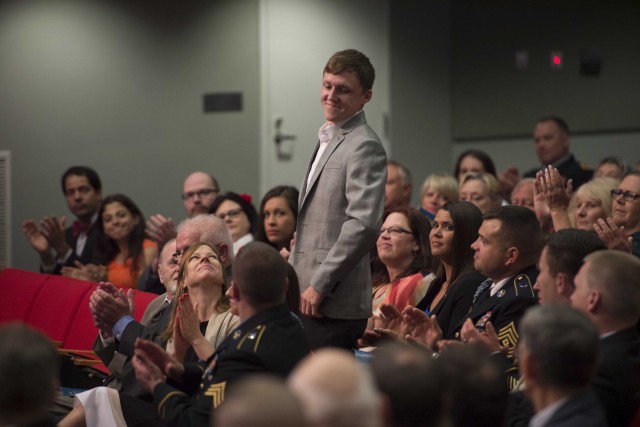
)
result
[(454, 229)]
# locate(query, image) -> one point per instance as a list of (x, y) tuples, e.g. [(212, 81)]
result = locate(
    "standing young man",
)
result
[(341, 205)]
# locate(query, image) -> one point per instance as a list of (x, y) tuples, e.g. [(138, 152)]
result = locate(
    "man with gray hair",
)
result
[(397, 191), (259, 401), (336, 391), (608, 292), (557, 356)]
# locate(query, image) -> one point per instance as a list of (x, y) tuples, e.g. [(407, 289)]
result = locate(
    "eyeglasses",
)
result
[(231, 214), (447, 226), (394, 231), (629, 196), (200, 193)]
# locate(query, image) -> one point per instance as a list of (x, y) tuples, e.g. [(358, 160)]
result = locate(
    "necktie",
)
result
[(484, 286)]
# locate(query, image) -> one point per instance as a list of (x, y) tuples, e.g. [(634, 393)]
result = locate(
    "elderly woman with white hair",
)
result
[(591, 202)]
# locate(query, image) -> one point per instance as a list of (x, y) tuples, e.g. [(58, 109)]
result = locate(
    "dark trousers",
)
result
[(328, 332)]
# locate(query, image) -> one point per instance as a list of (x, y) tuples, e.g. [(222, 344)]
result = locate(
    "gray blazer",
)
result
[(339, 219)]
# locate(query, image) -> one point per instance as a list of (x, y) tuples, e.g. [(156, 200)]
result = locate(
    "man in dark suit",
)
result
[(269, 339), (507, 250), (155, 319), (552, 143), (557, 356), (59, 247), (341, 204), (608, 292)]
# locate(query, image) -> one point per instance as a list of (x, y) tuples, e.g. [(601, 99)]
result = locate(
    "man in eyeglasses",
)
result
[(622, 230), (199, 191)]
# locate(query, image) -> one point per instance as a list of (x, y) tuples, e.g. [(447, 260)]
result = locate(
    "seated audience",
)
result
[(30, 372), (450, 295), (122, 248), (607, 290), (473, 161), (278, 217), (269, 339), (336, 391), (438, 189), (240, 216), (59, 246), (200, 322), (399, 185), (259, 401), (482, 190), (557, 356), (412, 383), (507, 250), (611, 167), (559, 263)]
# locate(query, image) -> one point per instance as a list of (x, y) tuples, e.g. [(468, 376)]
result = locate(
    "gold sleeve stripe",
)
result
[(255, 347), (216, 392), (508, 336), (164, 401), (512, 382)]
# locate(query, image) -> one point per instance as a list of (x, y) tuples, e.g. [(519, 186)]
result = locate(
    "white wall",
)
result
[(118, 86)]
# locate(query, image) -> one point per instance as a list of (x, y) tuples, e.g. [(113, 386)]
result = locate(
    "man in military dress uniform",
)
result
[(507, 250), (269, 339)]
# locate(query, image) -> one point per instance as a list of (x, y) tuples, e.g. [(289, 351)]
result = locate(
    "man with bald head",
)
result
[(336, 391), (268, 340), (259, 401), (199, 191)]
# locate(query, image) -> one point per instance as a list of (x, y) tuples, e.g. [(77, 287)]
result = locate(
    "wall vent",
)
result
[(5, 209)]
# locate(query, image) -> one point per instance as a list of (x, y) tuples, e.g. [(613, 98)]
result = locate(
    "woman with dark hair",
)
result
[(278, 216), (122, 250), (450, 295), (239, 215), (403, 259), (473, 161)]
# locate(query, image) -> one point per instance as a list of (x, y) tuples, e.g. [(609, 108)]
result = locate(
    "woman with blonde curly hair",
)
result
[(481, 189)]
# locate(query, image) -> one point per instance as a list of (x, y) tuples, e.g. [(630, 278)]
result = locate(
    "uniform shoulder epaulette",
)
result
[(249, 341), (522, 285)]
